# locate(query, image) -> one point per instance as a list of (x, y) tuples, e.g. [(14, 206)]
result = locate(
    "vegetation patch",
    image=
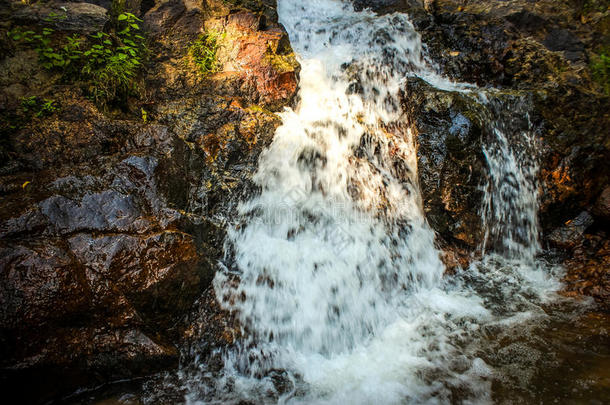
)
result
[(282, 63), (595, 5), (600, 67), (112, 64), (38, 107), (107, 63), (202, 52)]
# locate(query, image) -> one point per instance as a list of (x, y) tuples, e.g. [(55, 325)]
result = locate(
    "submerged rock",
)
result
[(602, 205), (587, 268)]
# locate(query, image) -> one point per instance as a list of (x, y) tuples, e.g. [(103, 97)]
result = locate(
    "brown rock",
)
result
[(588, 270), (263, 60), (76, 16), (602, 206), (163, 16), (568, 236)]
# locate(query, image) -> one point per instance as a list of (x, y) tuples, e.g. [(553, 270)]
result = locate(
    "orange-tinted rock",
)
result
[(262, 58)]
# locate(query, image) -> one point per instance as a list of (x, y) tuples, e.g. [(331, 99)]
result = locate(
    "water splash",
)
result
[(332, 269)]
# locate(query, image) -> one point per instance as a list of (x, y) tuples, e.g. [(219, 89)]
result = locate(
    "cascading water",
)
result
[(332, 269), (511, 196)]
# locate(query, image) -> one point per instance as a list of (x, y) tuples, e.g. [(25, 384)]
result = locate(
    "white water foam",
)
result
[(339, 287)]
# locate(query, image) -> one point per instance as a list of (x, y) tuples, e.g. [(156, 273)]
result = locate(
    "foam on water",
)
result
[(332, 269)]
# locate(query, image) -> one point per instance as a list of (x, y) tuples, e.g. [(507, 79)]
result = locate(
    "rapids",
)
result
[(332, 268)]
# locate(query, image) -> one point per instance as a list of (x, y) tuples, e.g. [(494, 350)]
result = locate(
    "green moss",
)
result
[(595, 5), (254, 5), (600, 68), (255, 108), (202, 52), (282, 63), (117, 7)]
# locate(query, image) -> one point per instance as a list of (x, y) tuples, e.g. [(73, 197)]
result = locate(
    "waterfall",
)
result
[(332, 269), (510, 214)]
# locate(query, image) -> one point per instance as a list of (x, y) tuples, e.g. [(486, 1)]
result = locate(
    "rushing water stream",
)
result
[(339, 284), (332, 269)]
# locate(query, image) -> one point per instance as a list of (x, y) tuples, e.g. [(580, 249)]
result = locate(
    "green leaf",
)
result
[(122, 17)]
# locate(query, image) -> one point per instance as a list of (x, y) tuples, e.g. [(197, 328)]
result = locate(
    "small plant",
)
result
[(108, 63), (595, 5), (112, 63), (202, 52), (49, 56), (600, 67), (34, 106)]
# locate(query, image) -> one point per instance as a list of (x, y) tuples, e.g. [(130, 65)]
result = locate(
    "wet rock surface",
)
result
[(540, 50), (450, 134), (387, 6), (588, 267), (111, 225)]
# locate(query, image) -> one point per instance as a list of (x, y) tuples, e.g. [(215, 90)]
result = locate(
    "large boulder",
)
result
[(96, 267), (112, 222), (254, 57), (78, 17), (450, 131), (456, 133), (543, 48)]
